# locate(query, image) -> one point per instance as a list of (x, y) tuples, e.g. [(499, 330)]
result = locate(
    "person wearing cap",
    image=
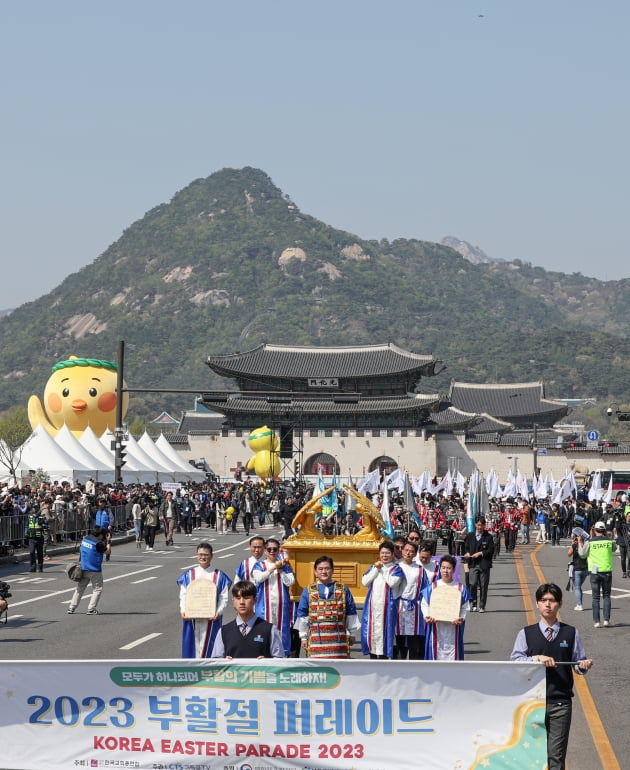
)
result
[(598, 552)]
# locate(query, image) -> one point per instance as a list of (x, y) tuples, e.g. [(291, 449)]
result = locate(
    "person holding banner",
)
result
[(385, 582), (247, 636), (555, 645), (198, 634), (445, 637)]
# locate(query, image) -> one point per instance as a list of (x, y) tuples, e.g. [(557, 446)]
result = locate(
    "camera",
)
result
[(609, 411), (5, 590)]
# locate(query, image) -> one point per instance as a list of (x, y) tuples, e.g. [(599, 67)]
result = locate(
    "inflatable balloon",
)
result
[(266, 462), (263, 438), (79, 392)]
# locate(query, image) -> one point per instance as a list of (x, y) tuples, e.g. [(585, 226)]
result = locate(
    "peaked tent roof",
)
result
[(292, 361), (133, 470), (166, 449), (41, 451), (146, 443), (71, 444)]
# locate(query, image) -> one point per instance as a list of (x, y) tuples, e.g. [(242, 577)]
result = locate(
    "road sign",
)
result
[(542, 451), (593, 435)]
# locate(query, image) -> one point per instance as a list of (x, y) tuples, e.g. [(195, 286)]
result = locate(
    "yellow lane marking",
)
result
[(595, 724)]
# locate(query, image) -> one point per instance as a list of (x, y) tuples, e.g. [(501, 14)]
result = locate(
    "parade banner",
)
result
[(264, 714)]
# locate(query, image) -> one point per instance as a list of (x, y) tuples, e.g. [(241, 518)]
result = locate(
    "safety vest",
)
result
[(36, 527), (600, 554)]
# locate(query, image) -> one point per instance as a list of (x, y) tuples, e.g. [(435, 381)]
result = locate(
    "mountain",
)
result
[(472, 253), (231, 261)]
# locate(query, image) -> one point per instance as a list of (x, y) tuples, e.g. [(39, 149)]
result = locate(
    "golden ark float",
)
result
[(352, 554)]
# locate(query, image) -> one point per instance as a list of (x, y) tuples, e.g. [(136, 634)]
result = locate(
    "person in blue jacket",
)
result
[(93, 548)]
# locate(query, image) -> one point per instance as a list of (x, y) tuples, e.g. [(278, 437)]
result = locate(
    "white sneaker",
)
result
[(596, 625), (147, 548), (578, 608), (606, 624)]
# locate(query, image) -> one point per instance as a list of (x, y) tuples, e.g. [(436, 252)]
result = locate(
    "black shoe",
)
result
[(41, 569), (92, 612), (33, 570)]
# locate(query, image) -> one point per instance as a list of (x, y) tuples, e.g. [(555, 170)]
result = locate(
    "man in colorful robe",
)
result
[(257, 549), (327, 619), (273, 577), (410, 631), (198, 635), (444, 639), (385, 582)]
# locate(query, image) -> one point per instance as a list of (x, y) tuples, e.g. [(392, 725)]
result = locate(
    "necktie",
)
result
[(549, 634), (244, 629)]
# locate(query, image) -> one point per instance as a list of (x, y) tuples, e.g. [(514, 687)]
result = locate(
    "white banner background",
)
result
[(254, 715)]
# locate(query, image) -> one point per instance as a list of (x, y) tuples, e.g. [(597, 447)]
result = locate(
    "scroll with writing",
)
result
[(201, 599), (445, 604)]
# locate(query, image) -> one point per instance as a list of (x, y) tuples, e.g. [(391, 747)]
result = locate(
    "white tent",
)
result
[(133, 471), (167, 450), (71, 444), (180, 469), (41, 451), (164, 470)]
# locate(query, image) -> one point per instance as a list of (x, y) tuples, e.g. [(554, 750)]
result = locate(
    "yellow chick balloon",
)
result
[(265, 463), (79, 392), (263, 438)]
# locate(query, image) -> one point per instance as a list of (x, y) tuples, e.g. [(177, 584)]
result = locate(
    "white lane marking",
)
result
[(13, 617), (68, 590), (226, 556), (144, 580), (142, 640)]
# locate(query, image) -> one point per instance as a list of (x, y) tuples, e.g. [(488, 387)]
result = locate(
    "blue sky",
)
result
[(502, 123)]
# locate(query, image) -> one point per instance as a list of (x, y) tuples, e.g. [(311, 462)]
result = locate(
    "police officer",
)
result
[(36, 529)]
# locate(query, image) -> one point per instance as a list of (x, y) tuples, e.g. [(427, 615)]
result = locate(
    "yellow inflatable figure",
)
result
[(265, 462), (79, 392)]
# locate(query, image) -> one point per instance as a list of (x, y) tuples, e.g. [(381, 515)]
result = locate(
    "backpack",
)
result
[(74, 571)]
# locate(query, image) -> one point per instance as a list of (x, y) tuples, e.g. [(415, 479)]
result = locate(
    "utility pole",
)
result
[(117, 444)]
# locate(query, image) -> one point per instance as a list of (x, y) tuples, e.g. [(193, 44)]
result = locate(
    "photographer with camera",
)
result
[(4, 604)]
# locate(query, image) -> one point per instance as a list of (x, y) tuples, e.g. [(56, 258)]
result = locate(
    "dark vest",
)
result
[(560, 679), (238, 646)]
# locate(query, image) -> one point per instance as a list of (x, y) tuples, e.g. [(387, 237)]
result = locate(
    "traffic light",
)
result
[(296, 469), (120, 452)]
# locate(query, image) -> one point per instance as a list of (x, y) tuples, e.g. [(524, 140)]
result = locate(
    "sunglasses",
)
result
[(272, 550)]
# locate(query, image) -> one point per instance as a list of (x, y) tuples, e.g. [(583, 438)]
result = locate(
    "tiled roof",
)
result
[(193, 422), (545, 438), (287, 361), (176, 438), (307, 406), (509, 402), (450, 418)]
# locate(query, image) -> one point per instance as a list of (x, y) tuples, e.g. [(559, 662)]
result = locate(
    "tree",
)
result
[(14, 430)]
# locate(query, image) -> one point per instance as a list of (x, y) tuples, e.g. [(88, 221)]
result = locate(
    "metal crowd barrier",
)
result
[(67, 525)]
